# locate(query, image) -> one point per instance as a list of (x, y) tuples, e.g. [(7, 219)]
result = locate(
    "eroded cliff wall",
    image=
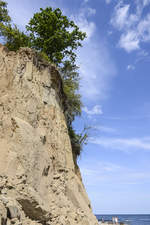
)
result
[(38, 184)]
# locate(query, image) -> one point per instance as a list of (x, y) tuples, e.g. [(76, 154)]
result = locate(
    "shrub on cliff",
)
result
[(71, 79), (70, 76), (78, 140)]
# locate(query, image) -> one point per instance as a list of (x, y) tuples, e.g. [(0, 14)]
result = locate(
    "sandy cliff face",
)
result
[(38, 184)]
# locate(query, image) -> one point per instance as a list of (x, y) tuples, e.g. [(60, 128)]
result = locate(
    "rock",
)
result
[(3, 214), (39, 182), (13, 212)]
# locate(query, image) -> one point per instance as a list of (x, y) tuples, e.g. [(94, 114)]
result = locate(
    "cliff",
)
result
[(38, 182)]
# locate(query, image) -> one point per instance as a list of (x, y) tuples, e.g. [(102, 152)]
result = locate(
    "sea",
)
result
[(129, 219)]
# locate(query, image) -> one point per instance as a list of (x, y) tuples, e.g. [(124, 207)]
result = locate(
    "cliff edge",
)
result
[(38, 183)]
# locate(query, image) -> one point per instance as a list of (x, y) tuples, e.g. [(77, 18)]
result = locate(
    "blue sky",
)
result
[(114, 67)]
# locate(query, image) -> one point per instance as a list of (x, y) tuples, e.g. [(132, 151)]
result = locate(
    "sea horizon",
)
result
[(131, 219), (121, 214)]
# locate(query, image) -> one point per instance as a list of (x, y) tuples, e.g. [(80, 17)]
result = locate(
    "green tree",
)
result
[(52, 33), (4, 17), (12, 36)]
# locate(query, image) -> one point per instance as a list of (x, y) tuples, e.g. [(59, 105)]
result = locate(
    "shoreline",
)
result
[(111, 223)]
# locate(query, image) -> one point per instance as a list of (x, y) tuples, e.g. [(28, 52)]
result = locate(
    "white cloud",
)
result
[(91, 11), (108, 1), (96, 66), (130, 67), (101, 167), (122, 143), (97, 70), (146, 2), (143, 29), (109, 167), (82, 20), (96, 110), (105, 129), (134, 27), (87, 27), (129, 41), (114, 173), (142, 55), (120, 16), (99, 172)]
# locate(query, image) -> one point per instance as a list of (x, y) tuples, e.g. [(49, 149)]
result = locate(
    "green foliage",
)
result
[(52, 33), (44, 56), (14, 38), (4, 17), (71, 78), (78, 140)]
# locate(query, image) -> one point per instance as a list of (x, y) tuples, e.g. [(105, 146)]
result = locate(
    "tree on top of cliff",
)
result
[(49, 32), (52, 33), (56, 38)]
